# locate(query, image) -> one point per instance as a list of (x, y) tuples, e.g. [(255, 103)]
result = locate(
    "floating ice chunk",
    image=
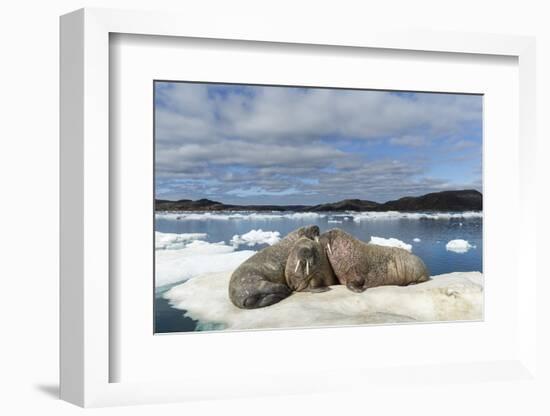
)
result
[(334, 221), (449, 297), (416, 240), (254, 237), (196, 258), (390, 242), (172, 241), (459, 246)]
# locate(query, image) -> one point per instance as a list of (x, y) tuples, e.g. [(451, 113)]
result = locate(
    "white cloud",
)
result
[(411, 141), (274, 138)]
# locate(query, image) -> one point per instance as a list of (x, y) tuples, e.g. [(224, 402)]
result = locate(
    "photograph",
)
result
[(282, 206)]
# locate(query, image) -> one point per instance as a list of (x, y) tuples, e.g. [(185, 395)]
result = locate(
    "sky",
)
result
[(243, 144)]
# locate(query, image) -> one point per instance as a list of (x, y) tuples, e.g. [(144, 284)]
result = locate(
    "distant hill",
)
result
[(346, 205), (463, 200), (466, 200)]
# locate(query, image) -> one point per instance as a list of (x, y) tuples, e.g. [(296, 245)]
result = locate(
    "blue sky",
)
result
[(284, 145)]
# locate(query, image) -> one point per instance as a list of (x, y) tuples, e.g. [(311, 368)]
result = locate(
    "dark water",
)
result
[(433, 234), (168, 319)]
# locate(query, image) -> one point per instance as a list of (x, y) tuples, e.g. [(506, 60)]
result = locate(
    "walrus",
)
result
[(307, 268), (359, 265), (260, 280)]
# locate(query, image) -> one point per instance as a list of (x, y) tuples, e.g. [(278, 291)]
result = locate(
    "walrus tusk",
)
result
[(307, 267), (316, 239), (297, 265), (329, 249)]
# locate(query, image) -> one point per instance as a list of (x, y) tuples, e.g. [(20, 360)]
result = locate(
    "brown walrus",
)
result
[(307, 268), (260, 280), (359, 265)]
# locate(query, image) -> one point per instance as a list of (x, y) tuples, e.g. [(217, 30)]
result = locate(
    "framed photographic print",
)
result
[(235, 202)]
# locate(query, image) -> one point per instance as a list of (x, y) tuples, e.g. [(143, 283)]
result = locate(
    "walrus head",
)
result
[(308, 231), (304, 263), (339, 248), (331, 238)]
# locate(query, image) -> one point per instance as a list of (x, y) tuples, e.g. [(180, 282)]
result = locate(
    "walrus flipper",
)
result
[(355, 287), (256, 292)]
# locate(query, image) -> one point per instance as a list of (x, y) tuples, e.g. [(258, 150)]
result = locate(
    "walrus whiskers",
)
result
[(297, 265), (319, 272)]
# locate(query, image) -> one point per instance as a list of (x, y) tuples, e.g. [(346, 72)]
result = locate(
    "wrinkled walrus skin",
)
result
[(307, 268), (359, 265), (260, 280)]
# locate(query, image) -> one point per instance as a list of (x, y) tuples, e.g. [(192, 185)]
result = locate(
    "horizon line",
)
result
[(323, 203)]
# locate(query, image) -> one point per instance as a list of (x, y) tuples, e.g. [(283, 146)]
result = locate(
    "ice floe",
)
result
[(390, 242), (254, 237), (195, 258), (395, 215), (448, 297), (416, 240), (242, 216), (172, 241), (310, 216), (459, 246)]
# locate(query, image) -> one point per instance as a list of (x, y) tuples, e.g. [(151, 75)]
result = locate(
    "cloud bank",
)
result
[(280, 145)]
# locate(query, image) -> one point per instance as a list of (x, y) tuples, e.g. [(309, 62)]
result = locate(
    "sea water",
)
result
[(193, 243)]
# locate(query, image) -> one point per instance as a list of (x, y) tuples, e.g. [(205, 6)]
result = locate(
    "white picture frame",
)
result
[(86, 263)]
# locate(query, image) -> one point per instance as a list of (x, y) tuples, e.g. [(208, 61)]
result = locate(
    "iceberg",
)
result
[(254, 237), (459, 246), (448, 297), (171, 241), (390, 242)]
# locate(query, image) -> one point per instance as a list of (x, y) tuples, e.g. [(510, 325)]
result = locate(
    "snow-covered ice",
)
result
[(195, 258), (275, 215), (171, 241), (395, 215), (254, 237), (448, 297), (390, 242), (459, 246)]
